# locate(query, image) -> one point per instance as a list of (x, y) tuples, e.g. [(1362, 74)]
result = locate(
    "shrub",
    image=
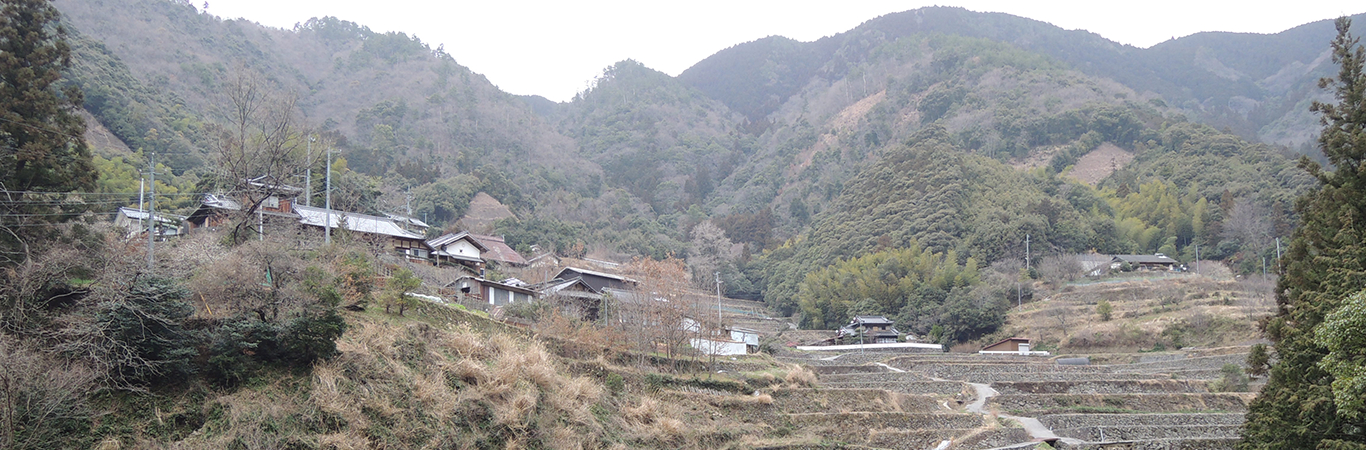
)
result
[(148, 341), (1104, 309), (1258, 360), (1231, 379)]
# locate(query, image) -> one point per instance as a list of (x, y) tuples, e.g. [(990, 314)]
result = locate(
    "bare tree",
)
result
[(261, 148), (1250, 223), (709, 250), (657, 311), (37, 391)]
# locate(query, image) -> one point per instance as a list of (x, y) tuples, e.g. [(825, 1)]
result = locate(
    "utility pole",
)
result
[(151, 211), (1197, 257), (1026, 253), (142, 205), (718, 301), (408, 201), (308, 174), (327, 224), (1278, 255)]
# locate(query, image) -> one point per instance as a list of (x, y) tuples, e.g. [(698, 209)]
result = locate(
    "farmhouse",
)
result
[(458, 249), (1144, 262), (598, 280), (499, 253), (493, 292), (874, 329), (135, 220), (372, 227)]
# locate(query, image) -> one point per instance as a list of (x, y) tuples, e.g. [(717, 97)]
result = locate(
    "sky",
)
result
[(556, 48)]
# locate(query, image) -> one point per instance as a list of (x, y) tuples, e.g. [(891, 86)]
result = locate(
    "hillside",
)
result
[(1257, 85), (787, 146)]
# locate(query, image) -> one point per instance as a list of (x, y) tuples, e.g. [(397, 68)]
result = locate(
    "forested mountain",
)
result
[(1257, 85), (938, 129)]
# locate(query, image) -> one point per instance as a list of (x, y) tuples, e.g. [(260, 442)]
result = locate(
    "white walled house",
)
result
[(458, 249)]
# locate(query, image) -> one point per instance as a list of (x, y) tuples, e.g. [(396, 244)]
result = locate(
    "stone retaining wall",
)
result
[(1148, 433), (1036, 377), (1160, 444), (887, 376), (1100, 387), (861, 422), (1057, 421), (907, 387), (1136, 402), (850, 400)]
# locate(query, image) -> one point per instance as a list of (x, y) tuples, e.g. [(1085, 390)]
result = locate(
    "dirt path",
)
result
[(1036, 429)]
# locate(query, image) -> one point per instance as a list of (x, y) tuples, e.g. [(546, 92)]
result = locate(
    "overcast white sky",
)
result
[(555, 48)]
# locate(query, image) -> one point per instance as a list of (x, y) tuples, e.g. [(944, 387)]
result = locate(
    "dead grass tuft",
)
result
[(799, 376)]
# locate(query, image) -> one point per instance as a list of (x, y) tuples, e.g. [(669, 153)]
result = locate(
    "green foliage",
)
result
[(239, 347), (1231, 379), (149, 322), (880, 283), (1258, 358), (1343, 334), (1104, 309), (41, 144), (398, 287), (1299, 407)]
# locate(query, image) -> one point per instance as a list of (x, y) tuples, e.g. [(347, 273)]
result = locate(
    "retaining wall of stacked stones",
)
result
[(1136, 402), (843, 400), (1056, 376), (993, 438), (906, 387), (1058, 421), (1100, 387), (1148, 433), (1159, 444), (861, 422)]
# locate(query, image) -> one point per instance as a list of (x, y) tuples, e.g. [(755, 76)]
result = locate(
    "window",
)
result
[(271, 202)]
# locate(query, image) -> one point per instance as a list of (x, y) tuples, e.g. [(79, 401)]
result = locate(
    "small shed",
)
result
[(1014, 344)]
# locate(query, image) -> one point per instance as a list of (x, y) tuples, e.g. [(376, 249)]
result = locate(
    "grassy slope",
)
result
[(447, 378), (1150, 311)]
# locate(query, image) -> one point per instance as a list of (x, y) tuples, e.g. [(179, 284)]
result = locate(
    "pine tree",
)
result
[(1325, 265), (42, 148)]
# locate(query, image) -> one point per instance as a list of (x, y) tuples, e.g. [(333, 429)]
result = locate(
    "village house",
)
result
[(598, 280), (573, 297), (135, 221), (874, 330), (381, 229), (494, 293), (1144, 262), (498, 253), (458, 250)]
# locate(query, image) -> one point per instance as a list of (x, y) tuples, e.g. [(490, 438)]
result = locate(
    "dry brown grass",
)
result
[(799, 376)]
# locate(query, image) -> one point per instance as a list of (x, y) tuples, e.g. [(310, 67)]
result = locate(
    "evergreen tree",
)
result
[(1325, 265), (41, 144)]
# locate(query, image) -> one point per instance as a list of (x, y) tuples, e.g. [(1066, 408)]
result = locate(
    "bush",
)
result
[(150, 343), (1232, 379), (1258, 360), (1104, 308)]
